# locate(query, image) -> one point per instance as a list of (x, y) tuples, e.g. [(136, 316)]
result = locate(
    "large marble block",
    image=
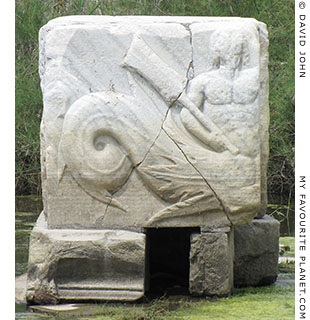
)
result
[(153, 121), (148, 122), (66, 265)]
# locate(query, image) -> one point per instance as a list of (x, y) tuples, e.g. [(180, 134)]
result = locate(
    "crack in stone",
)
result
[(156, 138), (106, 210), (151, 146), (188, 78), (190, 66), (61, 175), (108, 203), (225, 210), (148, 151), (159, 132)]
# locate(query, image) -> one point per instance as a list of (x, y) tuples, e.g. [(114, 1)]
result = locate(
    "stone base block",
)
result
[(211, 264), (256, 252), (84, 265)]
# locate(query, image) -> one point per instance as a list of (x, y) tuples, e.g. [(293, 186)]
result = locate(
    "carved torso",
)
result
[(132, 124), (218, 88)]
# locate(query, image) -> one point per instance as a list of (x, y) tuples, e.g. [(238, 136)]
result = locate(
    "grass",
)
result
[(275, 302), (287, 251), (268, 303), (278, 15), (263, 303), (290, 243)]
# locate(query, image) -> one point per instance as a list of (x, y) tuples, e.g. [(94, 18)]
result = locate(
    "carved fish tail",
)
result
[(199, 203)]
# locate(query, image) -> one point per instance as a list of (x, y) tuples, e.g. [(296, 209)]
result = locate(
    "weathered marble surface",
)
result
[(148, 122), (153, 121), (211, 264), (84, 265)]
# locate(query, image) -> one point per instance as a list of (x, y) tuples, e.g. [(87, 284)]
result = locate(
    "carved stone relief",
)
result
[(148, 132), (148, 122)]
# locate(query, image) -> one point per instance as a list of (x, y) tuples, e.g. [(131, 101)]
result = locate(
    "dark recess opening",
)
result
[(168, 260)]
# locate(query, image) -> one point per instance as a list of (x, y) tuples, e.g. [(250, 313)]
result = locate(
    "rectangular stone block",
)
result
[(84, 265), (153, 121), (211, 264), (256, 252)]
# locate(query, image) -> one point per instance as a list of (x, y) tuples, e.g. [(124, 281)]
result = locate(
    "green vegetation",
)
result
[(289, 244), (24, 223), (273, 302), (283, 213), (287, 254), (278, 15), (270, 302)]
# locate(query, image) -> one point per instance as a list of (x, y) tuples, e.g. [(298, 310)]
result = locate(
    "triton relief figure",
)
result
[(115, 133), (150, 123)]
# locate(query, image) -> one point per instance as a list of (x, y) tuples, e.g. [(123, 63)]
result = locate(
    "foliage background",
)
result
[(30, 15)]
